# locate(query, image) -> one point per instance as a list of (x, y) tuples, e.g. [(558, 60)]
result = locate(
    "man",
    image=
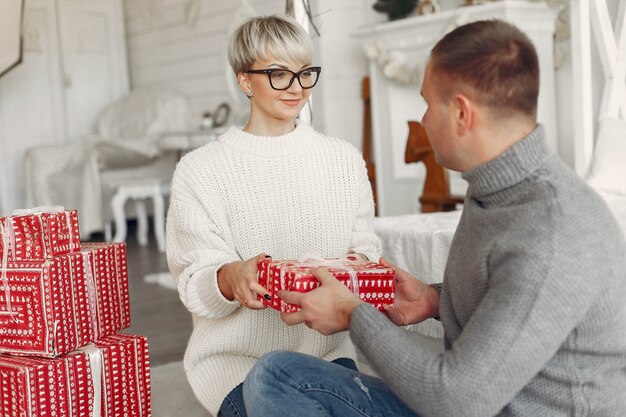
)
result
[(533, 300)]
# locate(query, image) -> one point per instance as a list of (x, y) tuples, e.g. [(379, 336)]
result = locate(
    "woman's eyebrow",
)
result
[(278, 65), (286, 67)]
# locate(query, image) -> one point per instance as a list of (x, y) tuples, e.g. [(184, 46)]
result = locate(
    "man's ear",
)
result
[(464, 113)]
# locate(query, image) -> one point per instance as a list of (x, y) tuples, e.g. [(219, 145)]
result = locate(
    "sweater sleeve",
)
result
[(196, 249), (537, 295), (364, 240)]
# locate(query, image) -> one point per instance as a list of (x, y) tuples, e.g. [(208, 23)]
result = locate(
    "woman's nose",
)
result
[(295, 85)]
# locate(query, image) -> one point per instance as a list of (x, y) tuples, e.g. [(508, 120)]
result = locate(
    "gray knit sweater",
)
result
[(533, 302)]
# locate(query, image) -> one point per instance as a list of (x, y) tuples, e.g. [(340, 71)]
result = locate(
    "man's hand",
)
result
[(237, 281), (414, 300), (326, 309)]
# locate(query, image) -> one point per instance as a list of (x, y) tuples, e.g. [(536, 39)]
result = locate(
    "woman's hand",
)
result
[(414, 300), (237, 281)]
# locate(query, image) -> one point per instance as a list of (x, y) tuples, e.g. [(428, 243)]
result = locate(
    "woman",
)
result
[(275, 187)]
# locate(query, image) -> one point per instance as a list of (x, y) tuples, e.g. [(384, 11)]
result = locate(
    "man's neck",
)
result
[(495, 139)]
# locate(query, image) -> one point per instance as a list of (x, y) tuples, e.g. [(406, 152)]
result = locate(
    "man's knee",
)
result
[(263, 377), (266, 366)]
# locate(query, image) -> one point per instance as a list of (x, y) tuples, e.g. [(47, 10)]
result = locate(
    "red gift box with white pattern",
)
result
[(39, 236), (375, 283), (54, 306), (111, 378)]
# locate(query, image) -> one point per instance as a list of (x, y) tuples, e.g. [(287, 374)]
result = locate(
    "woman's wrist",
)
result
[(223, 281)]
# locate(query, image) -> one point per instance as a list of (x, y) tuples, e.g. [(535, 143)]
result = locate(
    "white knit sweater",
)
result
[(241, 195)]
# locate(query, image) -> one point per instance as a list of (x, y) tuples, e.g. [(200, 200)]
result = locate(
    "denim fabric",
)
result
[(294, 384), (233, 405)]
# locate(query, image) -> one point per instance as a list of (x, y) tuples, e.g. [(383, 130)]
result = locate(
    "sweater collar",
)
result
[(509, 168), (268, 146)]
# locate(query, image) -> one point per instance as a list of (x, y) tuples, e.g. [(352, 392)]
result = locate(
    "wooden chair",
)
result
[(436, 193), (367, 136)]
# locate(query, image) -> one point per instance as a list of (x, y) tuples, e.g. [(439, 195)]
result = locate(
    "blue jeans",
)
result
[(293, 384), (233, 405)]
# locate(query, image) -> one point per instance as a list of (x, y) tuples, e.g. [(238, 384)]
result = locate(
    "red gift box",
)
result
[(111, 377), (38, 236), (372, 282), (54, 306)]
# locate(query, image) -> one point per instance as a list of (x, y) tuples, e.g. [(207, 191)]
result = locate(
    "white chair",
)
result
[(124, 151), (139, 190)]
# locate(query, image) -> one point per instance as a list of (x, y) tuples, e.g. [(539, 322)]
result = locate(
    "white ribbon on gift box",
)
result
[(96, 361), (92, 295), (8, 243), (315, 261), (8, 238), (37, 210)]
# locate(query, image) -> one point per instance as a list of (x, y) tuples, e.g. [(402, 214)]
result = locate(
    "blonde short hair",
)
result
[(277, 35)]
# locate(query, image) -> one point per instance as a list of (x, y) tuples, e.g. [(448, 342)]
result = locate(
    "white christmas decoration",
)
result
[(393, 63)]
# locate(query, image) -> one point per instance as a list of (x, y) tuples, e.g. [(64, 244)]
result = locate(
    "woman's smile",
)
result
[(291, 101)]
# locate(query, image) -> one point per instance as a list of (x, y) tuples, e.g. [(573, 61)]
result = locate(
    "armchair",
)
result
[(84, 174)]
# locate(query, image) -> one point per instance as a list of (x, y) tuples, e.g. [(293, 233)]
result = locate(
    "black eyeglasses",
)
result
[(280, 79)]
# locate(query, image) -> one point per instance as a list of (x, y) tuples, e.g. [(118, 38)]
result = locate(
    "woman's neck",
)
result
[(273, 128)]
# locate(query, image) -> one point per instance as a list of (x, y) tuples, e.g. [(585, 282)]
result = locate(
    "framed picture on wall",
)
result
[(11, 15)]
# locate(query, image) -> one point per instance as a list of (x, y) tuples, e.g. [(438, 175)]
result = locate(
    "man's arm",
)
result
[(530, 307)]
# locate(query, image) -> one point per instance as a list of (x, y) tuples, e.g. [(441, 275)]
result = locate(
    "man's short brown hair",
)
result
[(492, 59)]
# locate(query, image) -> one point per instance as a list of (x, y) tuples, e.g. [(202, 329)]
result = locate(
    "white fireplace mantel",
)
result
[(394, 104)]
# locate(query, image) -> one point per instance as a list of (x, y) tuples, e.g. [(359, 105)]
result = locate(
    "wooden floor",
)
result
[(156, 312)]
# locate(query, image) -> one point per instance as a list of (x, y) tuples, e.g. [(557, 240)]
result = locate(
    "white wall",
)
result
[(338, 98), (167, 47)]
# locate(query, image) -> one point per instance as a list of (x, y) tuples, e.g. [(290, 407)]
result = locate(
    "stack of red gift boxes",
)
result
[(61, 307), (372, 282)]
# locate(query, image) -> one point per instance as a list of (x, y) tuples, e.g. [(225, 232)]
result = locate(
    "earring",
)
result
[(249, 93)]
